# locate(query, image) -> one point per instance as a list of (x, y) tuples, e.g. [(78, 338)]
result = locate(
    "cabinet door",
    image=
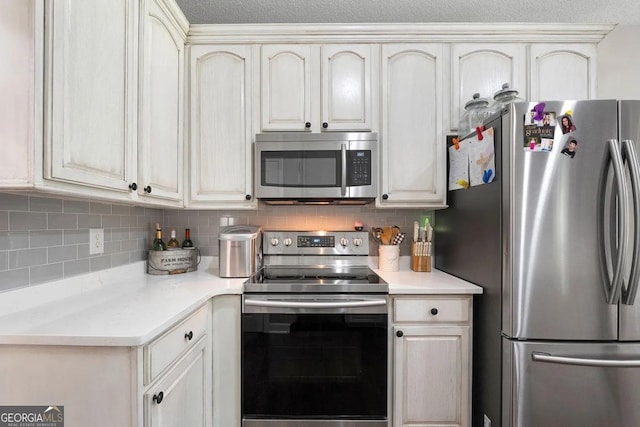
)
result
[(220, 131), (17, 121), (563, 71), (483, 68), (183, 396), (431, 376), (286, 87), (346, 87), (413, 148), (160, 146), (91, 85)]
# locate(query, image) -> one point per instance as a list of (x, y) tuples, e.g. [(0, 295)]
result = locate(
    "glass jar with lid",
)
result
[(476, 111), (504, 97)]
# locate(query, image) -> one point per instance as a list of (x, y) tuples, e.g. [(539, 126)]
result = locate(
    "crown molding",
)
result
[(400, 33), (176, 15)]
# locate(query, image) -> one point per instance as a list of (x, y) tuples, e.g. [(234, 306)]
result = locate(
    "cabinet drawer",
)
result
[(161, 352), (432, 310)]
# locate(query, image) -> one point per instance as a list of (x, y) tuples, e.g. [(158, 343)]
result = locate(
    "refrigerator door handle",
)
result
[(612, 290), (629, 154), (581, 361)]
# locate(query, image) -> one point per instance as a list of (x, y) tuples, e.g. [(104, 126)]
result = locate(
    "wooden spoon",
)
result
[(387, 235)]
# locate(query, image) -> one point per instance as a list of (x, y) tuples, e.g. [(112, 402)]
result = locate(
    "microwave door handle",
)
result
[(343, 189)]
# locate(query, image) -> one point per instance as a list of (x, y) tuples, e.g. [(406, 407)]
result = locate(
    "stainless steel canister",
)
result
[(240, 250)]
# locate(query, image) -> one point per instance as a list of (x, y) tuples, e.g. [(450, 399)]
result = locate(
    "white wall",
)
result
[(619, 64)]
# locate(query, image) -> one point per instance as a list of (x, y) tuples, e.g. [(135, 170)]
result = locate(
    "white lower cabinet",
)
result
[(432, 361), (179, 364), (167, 382), (179, 398)]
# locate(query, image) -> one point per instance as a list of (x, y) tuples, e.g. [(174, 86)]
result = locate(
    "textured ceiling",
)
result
[(417, 11)]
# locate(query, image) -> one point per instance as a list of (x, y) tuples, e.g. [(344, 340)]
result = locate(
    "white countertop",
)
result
[(124, 306)]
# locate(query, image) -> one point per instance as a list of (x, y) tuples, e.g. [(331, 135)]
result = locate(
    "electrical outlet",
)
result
[(487, 421), (226, 220), (96, 241)]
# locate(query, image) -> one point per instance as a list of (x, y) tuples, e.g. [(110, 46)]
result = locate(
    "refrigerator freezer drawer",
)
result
[(570, 384)]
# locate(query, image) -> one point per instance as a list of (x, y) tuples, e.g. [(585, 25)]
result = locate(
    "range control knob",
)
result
[(357, 241), (287, 241), (344, 242), (274, 241)]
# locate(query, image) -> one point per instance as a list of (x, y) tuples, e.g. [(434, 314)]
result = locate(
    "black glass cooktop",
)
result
[(316, 279)]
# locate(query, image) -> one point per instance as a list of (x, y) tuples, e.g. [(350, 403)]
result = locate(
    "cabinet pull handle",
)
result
[(399, 334), (307, 125), (147, 189), (157, 398), (188, 336), (325, 125), (434, 311), (248, 197), (133, 186), (385, 196)]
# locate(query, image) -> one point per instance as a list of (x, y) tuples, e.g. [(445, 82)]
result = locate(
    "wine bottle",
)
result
[(158, 244), (187, 243), (173, 242)]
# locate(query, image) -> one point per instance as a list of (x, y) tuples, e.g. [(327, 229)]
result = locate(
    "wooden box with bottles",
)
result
[(173, 261), (172, 257)]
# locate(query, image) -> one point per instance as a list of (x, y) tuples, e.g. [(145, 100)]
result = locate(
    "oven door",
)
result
[(314, 360)]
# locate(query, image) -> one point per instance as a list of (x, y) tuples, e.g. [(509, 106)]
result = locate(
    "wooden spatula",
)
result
[(387, 235)]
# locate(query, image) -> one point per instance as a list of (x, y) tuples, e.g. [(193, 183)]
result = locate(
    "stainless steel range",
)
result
[(314, 334)]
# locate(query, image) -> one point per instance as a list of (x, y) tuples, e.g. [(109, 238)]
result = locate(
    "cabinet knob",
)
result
[(385, 196), (248, 197), (325, 125), (133, 186), (307, 125), (188, 336), (158, 397), (434, 311), (147, 189), (399, 334)]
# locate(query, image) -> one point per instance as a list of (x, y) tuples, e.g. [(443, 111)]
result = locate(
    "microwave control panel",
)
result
[(359, 167)]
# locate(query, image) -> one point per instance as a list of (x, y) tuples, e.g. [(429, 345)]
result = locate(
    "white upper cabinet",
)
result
[(413, 148), (113, 100), (17, 120), (286, 87), (160, 145), (316, 88), (220, 167), (346, 87), (91, 83), (563, 71), (483, 68)]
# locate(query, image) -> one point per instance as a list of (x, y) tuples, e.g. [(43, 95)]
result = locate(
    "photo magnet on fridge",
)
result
[(566, 123), (570, 147), (539, 129)]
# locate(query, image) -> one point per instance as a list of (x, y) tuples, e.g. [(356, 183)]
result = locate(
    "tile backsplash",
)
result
[(47, 238), (205, 225), (43, 239)]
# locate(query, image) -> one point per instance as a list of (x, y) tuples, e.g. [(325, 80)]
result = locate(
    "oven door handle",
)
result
[(312, 304)]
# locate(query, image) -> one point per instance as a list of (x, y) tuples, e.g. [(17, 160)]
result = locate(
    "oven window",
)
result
[(301, 168), (314, 366)]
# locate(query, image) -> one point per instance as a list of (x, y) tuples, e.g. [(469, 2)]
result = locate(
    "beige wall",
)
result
[(619, 64)]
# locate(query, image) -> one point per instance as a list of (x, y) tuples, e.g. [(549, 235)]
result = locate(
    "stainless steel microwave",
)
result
[(299, 167)]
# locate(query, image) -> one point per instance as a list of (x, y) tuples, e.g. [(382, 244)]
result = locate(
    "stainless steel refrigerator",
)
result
[(554, 241)]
